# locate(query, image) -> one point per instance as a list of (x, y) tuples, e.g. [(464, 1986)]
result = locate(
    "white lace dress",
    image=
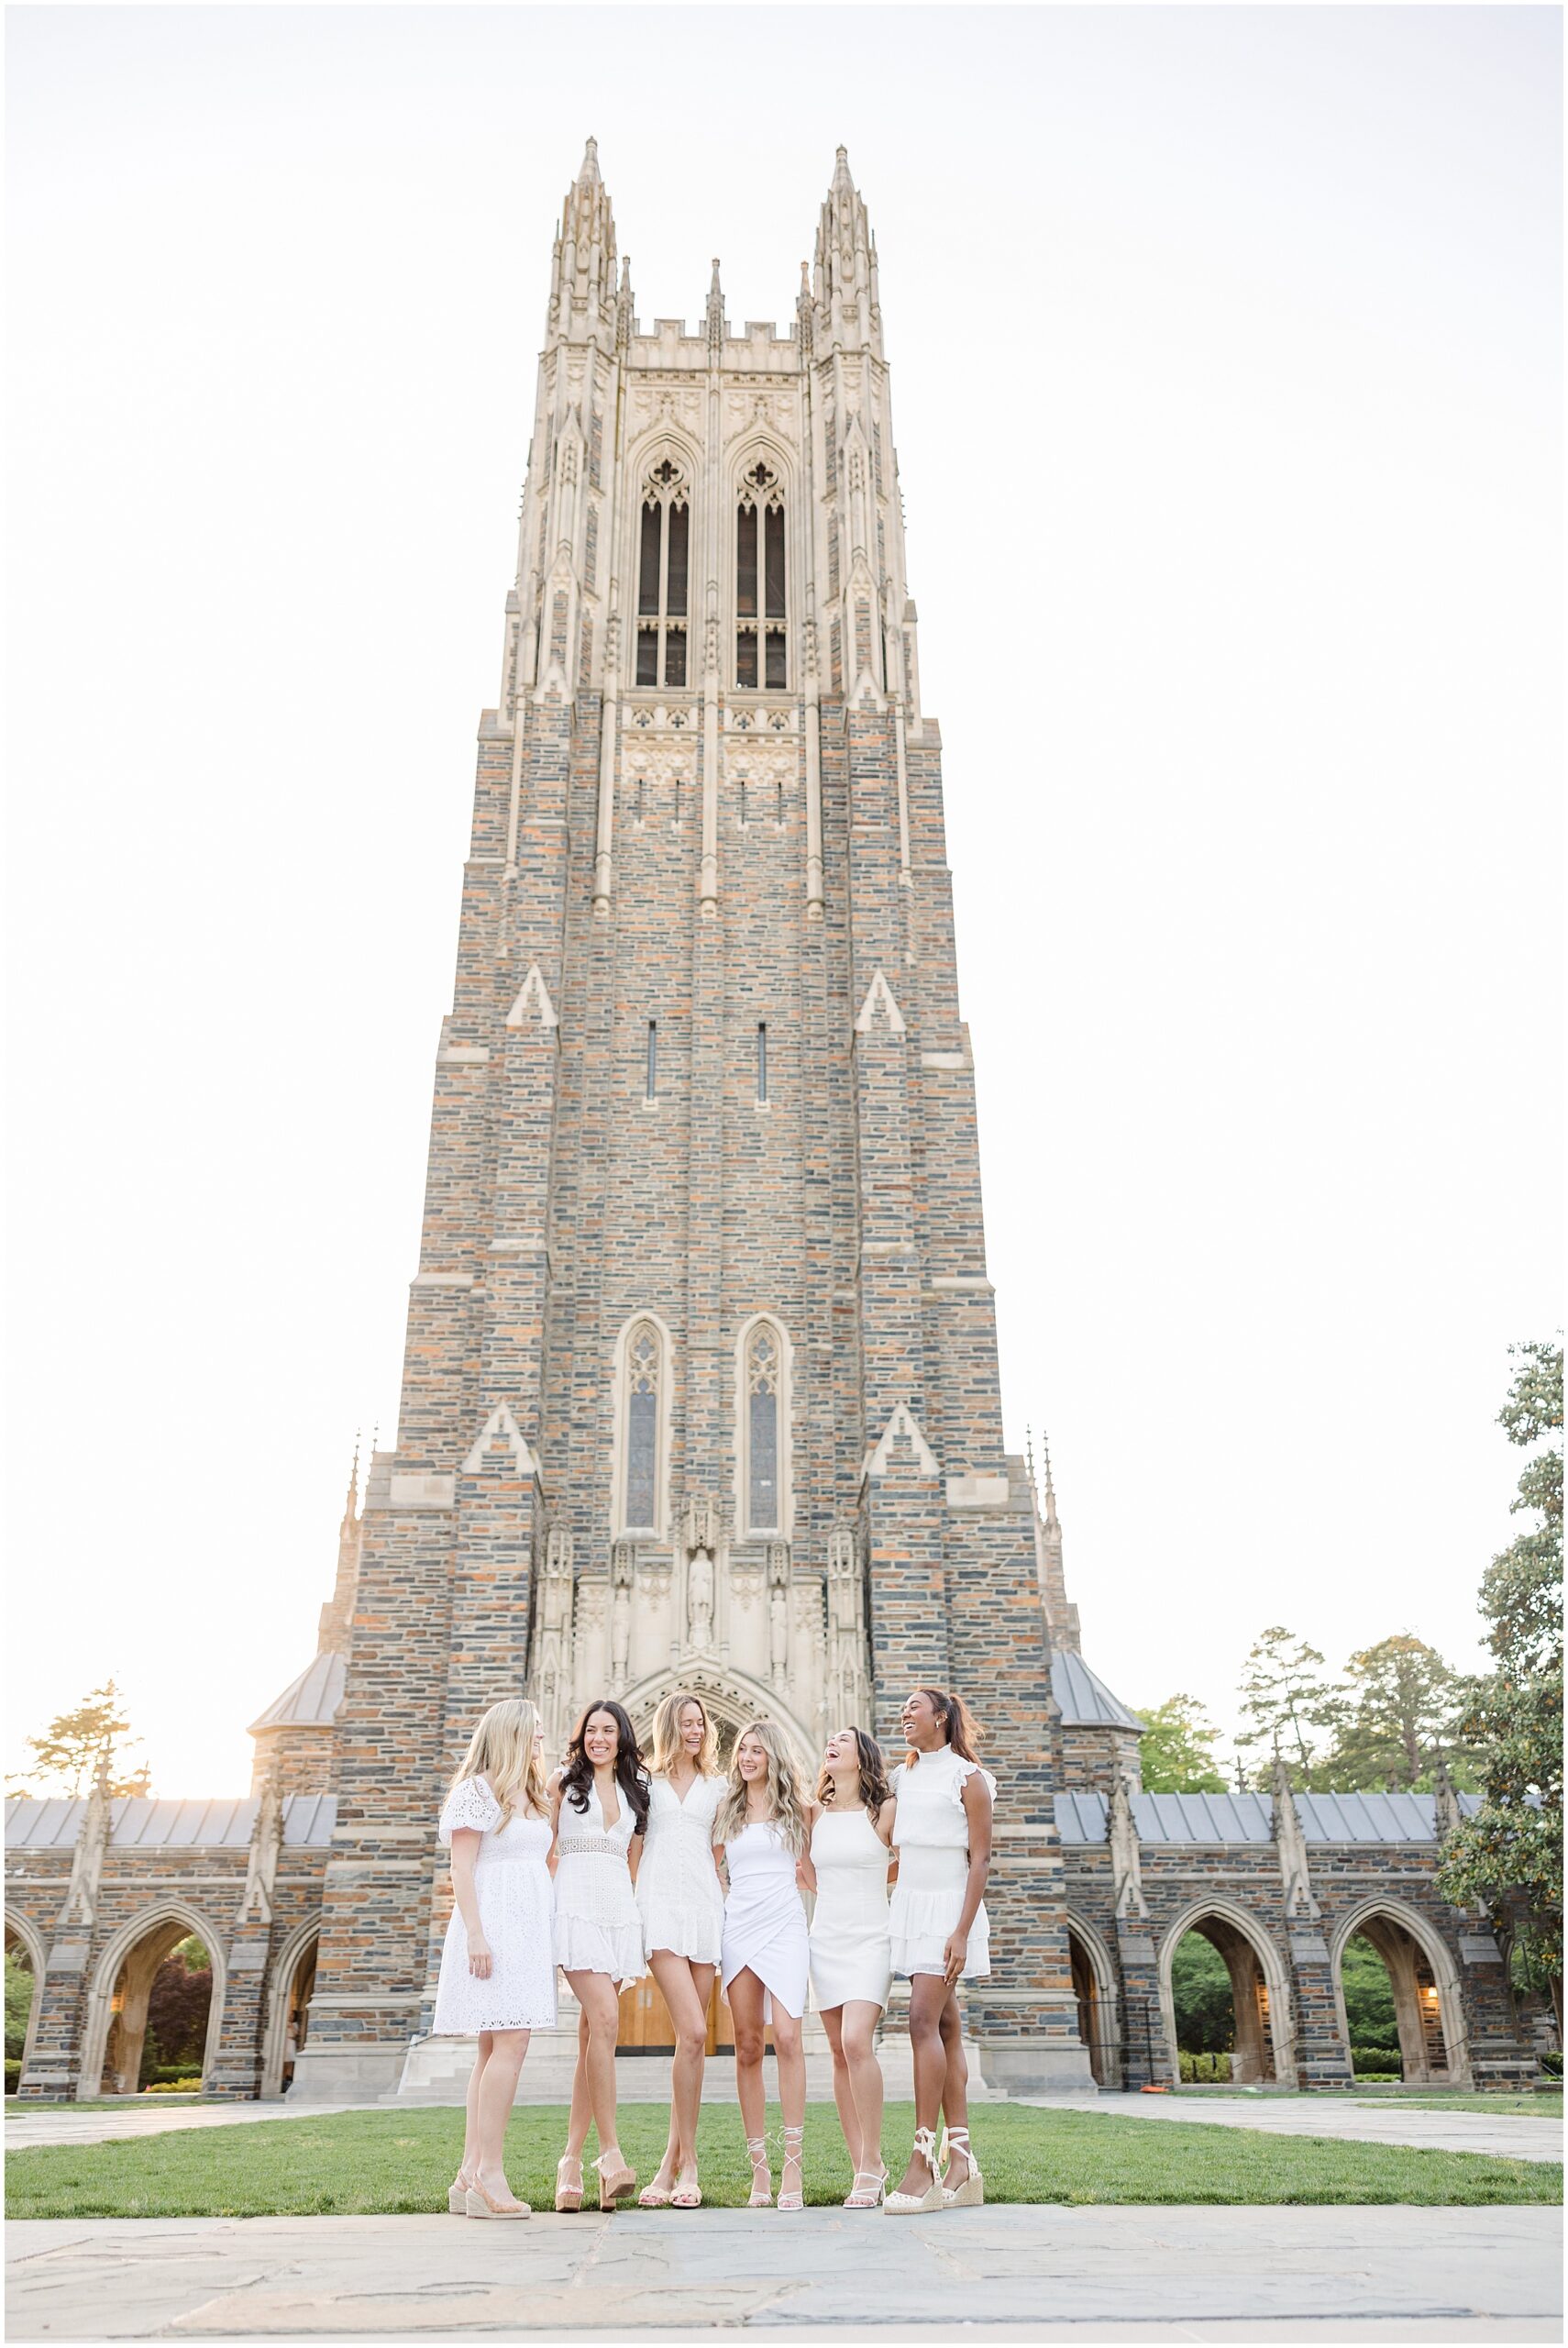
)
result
[(598, 1928), (930, 1834), (679, 1896), (512, 1885)]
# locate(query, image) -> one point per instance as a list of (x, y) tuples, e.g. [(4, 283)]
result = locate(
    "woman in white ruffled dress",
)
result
[(763, 1828), (851, 1947), (498, 1970), (940, 1935), (681, 1900), (599, 1803)]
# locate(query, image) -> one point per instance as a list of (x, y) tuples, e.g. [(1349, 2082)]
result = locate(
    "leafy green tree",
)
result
[(1200, 1988), (1405, 1708), (19, 1988), (177, 2008), (1289, 1705), (96, 1730), (1177, 1750), (1369, 1999), (1508, 1857)]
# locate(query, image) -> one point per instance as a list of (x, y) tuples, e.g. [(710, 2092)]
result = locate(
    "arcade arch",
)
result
[(1428, 2008), (115, 2028), (1260, 1992)]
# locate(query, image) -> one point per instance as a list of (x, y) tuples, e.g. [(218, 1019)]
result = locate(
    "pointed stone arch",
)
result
[(732, 1697), (1095, 1987), (23, 1934), (176, 1917), (1265, 2047), (279, 1989), (1411, 1947)]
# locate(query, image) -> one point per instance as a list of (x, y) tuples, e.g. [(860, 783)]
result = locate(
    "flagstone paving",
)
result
[(1517, 2136)]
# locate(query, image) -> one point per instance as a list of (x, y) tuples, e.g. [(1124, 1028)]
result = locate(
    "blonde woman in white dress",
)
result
[(851, 1949), (600, 1805), (681, 1899), (763, 1829), (498, 1967), (940, 1935)]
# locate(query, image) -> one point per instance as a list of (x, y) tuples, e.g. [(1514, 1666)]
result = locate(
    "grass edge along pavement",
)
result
[(389, 2162)]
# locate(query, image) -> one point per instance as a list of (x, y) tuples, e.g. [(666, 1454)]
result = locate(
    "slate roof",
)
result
[(141, 1825), (309, 1701), (1083, 1699), (1249, 1817)]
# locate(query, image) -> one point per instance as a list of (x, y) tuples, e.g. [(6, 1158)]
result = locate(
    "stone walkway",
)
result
[(138, 2118), (1516, 2136), (1010, 2273)]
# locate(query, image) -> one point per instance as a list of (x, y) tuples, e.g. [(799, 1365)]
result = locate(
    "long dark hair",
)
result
[(958, 1722), (577, 1777), (874, 1787)]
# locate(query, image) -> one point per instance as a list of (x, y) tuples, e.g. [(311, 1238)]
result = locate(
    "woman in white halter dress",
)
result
[(940, 1935), (851, 1948), (681, 1902), (763, 1828)]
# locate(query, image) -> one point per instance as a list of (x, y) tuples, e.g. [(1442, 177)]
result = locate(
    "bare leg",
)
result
[(595, 1993), (470, 2168), (496, 2092), (955, 2085), (843, 2092), (582, 2118), (859, 2021), (928, 1994), (790, 2056), (686, 1988), (745, 1995)]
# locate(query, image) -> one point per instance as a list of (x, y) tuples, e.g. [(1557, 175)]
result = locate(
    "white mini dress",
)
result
[(680, 1896), (598, 1928), (930, 1834), (765, 1919), (851, 1947), (512, 1885)]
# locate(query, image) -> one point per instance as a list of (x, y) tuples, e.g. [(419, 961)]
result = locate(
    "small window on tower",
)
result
[(648, 580), (647, 656), (778, 670), (663, 576), (761, 587), (762, 1059), (680, 535), (650, 1078), (674, 656), (746, 657)]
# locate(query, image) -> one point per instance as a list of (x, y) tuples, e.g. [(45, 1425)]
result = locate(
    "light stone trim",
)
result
[(442, 1280), (463, 1056), (421, 1492), (978, 1491), (946, 1059), (500, 1427)]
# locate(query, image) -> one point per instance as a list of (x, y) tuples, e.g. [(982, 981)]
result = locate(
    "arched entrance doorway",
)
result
[(1428, 2011), (1233, 1966), (156, 2002), (24, 1972), (288, 2009), (1094, 1988)]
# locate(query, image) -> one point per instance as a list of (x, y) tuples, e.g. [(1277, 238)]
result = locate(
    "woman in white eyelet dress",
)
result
[(681, 1902), (497, 1974)]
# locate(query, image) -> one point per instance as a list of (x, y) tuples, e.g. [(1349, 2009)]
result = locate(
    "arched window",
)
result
[(762, 656), (663, 571), (644, 1389), (763, 1446)]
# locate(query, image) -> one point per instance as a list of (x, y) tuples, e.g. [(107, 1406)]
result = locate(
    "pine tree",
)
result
[(96, 1732), (1288, 1706), (1405, 1710)]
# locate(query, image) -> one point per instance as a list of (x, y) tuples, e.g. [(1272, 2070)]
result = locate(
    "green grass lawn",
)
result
[(370, 2163)]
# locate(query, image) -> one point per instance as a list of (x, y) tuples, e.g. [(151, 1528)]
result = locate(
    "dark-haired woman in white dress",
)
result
[(851, 1948)]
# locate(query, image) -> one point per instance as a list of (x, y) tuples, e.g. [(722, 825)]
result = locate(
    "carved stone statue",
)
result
[(700, 1600)]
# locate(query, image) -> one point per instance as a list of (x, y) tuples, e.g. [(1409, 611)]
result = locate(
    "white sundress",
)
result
[(680, 1896), (851, 1951), (930, 1834), (598, 1928), (765, 1919), (512, 1885)]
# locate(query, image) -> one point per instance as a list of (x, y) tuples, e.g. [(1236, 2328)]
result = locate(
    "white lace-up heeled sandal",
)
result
[(761, 2176), (913, 2205), (794, 2155), (971, 2194)]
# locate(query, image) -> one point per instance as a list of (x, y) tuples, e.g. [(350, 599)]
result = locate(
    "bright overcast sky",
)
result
[(1227, 386)]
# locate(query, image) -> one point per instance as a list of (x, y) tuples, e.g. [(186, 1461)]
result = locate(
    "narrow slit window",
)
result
[(746, 657), (774, 541), (645, 1366), (674, 656), (746, 562), (762, 1432), (647, 656), (647, 581), (762, 653), (679, 537), (762, 1059), (650, 1092)]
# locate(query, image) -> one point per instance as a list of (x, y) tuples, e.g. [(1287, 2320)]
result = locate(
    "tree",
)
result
[(1405, 1708), (19, 1988), (1508, 1857), (1289, 1706), (1201, 1991), (1175, 1752), (177, 2009), (72, 1747)]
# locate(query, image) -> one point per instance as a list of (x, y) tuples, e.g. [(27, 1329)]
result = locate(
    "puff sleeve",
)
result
[(469, 1804)]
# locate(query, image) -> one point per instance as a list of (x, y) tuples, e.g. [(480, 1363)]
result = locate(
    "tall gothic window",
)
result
[(644, 1384), (763, 1382), (664, 565), (761, 644)]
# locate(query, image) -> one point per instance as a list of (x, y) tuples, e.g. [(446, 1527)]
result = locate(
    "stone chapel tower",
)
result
[(700, 1383)]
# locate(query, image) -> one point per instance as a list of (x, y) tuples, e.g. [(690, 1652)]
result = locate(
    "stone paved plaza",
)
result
[(1045, 2273)]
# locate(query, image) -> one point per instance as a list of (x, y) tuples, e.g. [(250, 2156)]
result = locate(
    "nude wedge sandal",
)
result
[(971, 2194), (914, 2205)]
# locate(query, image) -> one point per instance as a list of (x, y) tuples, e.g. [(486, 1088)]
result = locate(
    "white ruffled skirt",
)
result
[(927, 1901), (598, 1928)]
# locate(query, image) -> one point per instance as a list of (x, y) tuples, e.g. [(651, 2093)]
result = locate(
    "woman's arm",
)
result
[(465, 1840), (978, 1812), (883, 1821)]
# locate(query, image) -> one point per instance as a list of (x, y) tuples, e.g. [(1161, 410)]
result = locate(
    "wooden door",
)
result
[(646, 2027)]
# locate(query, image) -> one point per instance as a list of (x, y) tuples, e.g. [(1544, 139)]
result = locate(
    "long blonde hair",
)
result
[(666, 1735), (785, 1791), (504, 1752)]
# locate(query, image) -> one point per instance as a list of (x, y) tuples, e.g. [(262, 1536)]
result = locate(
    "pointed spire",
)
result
[(842, 183), (845, 280), (590, 172), (715, 316), (583, 273), (1053, 1522)]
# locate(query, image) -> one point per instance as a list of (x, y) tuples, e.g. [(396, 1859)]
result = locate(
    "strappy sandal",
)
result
[(760, 2200), (569, 2196), (796, 2152), (686, 2197), (867, 2189), (616, 2186), (654, 2197), (971, 2194), (913, 2205), (483, 2204)]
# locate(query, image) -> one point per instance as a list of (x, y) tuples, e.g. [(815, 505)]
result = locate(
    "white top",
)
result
[(513, 1888), (598, 1928), (680, 1896), (930, 1834), (851, 1954), (765, 1919)]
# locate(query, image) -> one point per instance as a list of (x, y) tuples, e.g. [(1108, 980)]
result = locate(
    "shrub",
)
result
[(1376, 2063), (1198, 2070), (173, 2075), (13, 2073), (185, 2083), (1552, 2064)]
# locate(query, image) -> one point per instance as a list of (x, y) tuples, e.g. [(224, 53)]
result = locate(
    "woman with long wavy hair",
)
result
[(763, 1828), (498, 1972), (940, 1935), (681, 1900), (600, 1806), (851, 1949)]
